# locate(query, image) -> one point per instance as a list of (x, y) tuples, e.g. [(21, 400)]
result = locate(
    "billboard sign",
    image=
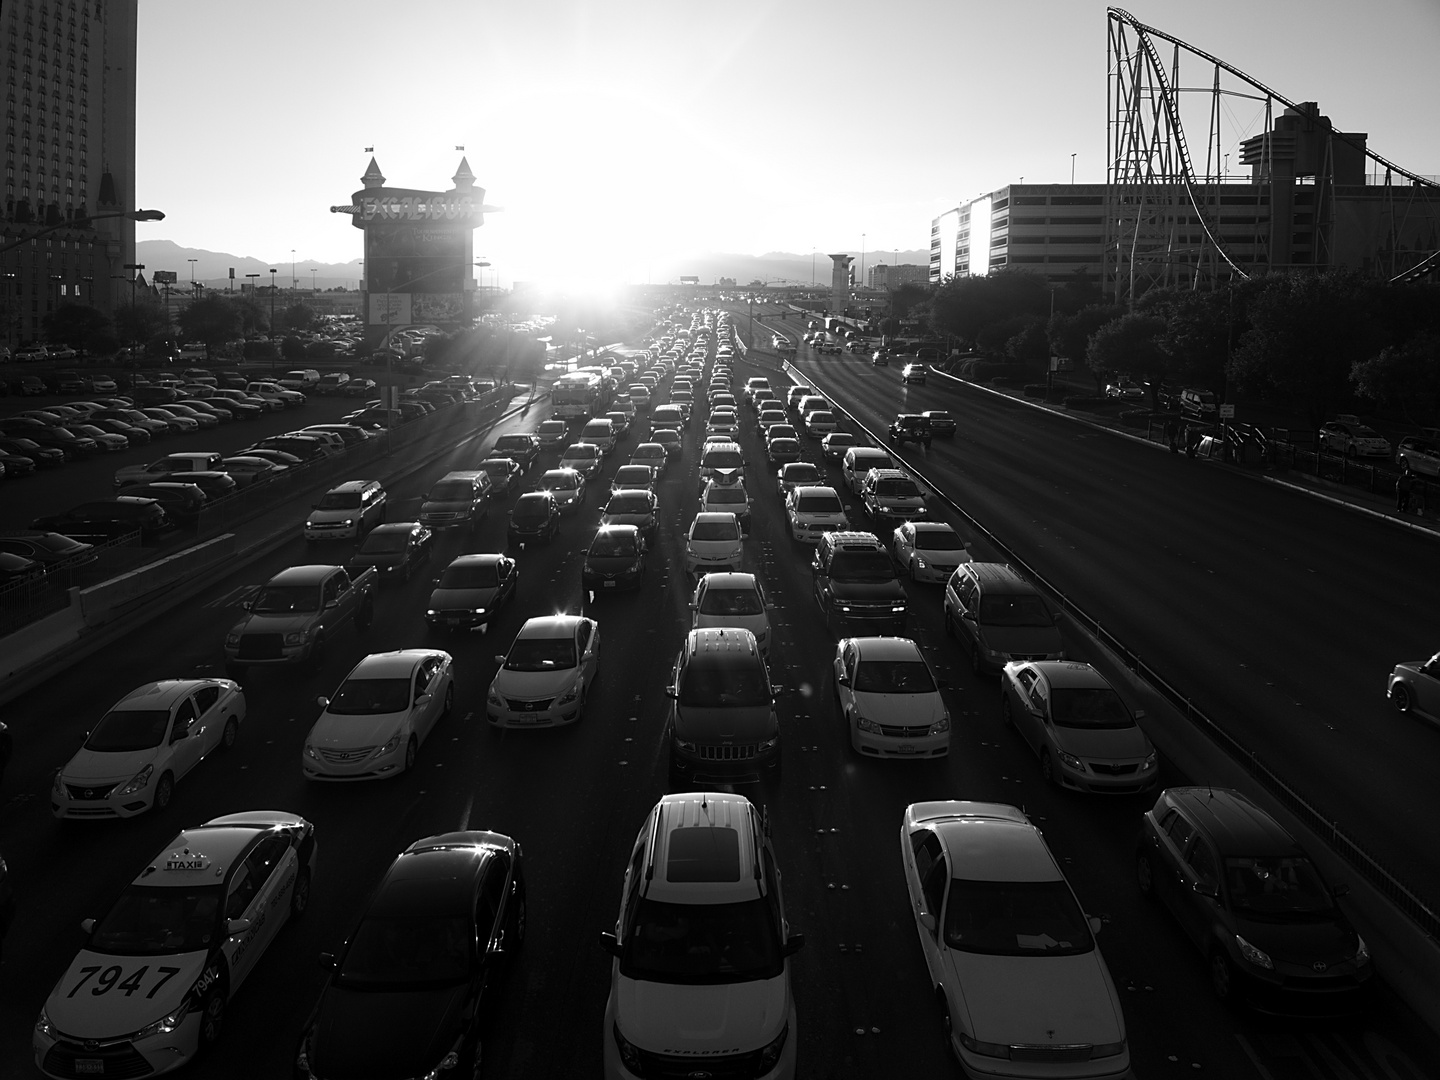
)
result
[(164, 277)]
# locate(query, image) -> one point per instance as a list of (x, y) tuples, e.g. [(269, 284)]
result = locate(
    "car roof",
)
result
[(351, 486), (488, 558), (390, 665), (714, 516), (1235, 824), (704, 851), (1070, 673), (930, 526), (996, 848), (395, 527), (431, 878), (999, 577), (549, 626), (815, 489), (886, 648), (160, 695), (205, 854), (730, 579), (308, 574)]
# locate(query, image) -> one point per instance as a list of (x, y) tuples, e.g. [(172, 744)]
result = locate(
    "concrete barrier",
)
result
[(101, 603), (40, 639)]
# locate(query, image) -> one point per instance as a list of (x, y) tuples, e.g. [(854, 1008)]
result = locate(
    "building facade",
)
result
[(68, 71), (892, 277)]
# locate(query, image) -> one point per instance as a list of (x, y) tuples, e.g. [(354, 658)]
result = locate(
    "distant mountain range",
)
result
[(212, 268)]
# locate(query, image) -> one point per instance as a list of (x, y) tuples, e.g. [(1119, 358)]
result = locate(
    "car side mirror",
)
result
[(499, 659), (928, 921), (87, 925), (610, 943), (1339, 889), (794, 943), (236, 926), (327, 961), (1095, 923), (1204, 888), (842, 680), (670, 690), (1139, 714), (421, 698), (331, 604)]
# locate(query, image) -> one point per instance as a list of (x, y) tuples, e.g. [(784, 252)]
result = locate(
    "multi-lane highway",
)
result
[(1076, 503)]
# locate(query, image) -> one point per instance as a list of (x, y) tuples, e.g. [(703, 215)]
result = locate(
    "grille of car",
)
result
[(1055, 1054), (261, 646), (440, 515), (344, 757), (743, 752), (1107, 768), (63, 1059), (537, 705), (719, 1067), (87, 794), (893, 732)]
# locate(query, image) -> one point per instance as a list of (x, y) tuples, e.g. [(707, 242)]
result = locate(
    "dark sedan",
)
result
[(21, 446), (614, 561), (472, 589), (137, 436), (17, 464), (67, 442), (52, 550), (182, 501), (108, 519), (409, 990), (395, 550), (535, 517), (135, 417)]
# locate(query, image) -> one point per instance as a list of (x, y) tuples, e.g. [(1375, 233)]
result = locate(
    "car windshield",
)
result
[(384, 543), (579, 451), (150, 920), (340, 500), (633, 474), (408, 950), (366, 697), (724, 459), (1088, 707), (802, 474), (715, 530), (284, 599), (124, 730), (512, 442), (731, 602), (452, 491), (937, 540), (893, 677), (1014, 609), (649, 452), (541, 654), (702, 943), (530, 507), (898, 489), (832, 441), (561, 481), (1277, 886), (471, 576), (868, 565), (609, 544), (554, 427), (628, 502), (710, 682), (1015, 918)]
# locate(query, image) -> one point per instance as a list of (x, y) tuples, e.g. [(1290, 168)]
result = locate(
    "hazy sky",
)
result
[(617, 134)]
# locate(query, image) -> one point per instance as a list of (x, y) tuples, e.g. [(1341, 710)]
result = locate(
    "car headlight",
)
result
[(44, 1027), (138, 782), (862, 724), (770, 1054), (770, 743), (1362, 952), (59, 785), (297, 637), (478, 611), (1150, 761), (736, 551), (984, 1049), (940, 726), (586, 568), (430, 612), (311, 752), (347, 523), (390, 745), (920, 562), (568, 696), (494, 698), (448, 1062), (1100, 1050), (1069, 760), (685, 745), (232, 638), (1259, 957), (629, 1056), (164, 1025)]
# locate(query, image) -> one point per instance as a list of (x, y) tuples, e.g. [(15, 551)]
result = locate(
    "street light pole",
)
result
[(294, 282), (272, 319), (313, 286), (1072, 170), (135, 269), (192, 263)]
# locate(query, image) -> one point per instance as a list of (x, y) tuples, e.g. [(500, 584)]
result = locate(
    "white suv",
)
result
[(347, 512), (702, 921)]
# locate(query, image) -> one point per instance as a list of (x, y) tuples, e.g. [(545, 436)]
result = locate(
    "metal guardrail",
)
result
[(22, 603), (1423, 913)]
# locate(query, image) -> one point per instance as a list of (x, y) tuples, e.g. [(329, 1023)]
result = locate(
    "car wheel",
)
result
[(946, 1024), (229, 734), (1222, 977), (1402, 698), (1145, 874), (1006, 717), (300, 895), (449, 700), (1048, 772), (410, 749), (212, 1017), (164, 791)]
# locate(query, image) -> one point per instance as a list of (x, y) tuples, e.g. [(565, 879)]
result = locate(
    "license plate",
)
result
[(609, 584), (90, 1065), (454, 622), (525, 718), (906, 748)]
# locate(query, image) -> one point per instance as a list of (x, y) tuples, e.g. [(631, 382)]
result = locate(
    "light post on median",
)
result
[(273, 350), (313, 286)]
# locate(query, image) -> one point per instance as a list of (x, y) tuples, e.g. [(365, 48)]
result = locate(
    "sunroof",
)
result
[(704, 853)]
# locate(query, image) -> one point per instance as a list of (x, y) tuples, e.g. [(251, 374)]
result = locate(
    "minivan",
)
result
[(1000, 616), (457, 500)]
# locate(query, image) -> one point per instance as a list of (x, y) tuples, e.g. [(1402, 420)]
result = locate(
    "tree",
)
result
[(73, 324), (300, 316), (292, 349), (140, 322), (1200, 328), (1406, 377), (967, 307), (1029, 344), (907, 297), (212, 319), (1132, 344), (1070, 334)]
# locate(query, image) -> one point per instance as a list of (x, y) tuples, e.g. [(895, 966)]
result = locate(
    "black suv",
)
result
[(855, 583), (1251, 900), (910, 427)]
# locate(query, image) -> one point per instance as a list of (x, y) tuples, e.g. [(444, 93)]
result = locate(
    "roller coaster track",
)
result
[(1144, 35)]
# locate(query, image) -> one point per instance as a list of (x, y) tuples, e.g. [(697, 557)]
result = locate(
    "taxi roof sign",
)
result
[(186, 860)]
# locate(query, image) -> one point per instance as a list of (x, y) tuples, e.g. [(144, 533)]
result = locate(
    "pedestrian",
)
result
[(1403, 487), (1192, 439), (1172, 433)]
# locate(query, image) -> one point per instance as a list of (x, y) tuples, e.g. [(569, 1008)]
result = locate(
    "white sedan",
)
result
[(929, 550), (889, 699), (1011, 956), (386, 707), (152, 737), (543, 679), (732, 599)]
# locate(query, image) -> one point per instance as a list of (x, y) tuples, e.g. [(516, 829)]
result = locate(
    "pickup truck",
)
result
[(294, 615), (166, 468)]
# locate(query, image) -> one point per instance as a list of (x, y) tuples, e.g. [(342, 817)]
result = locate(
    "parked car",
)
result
[(108, 519), (1347, 435)]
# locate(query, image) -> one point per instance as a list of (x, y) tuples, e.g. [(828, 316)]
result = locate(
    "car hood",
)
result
[(277, 624), (641, 521), (748, 722), (867, 592), (466, 599), (1331, 940), (336, 732), (1102, 743), (87, 1017), (1023, 640), (103, 767), (444, 506), (905, 710), (362, 559), (385, 1033), (1039, 1000), (534, 684), (728, 1018)]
